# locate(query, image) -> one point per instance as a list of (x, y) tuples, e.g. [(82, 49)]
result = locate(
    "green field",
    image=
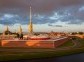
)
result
[(29, 53), (67, 44)]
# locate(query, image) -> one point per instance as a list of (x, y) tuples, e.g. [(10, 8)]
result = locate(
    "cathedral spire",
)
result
[(30, 22), (30, 15)]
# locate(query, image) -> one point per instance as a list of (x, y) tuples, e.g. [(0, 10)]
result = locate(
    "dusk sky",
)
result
[(47, 15)]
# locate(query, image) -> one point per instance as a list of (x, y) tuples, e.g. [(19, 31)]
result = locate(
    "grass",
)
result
[(81, 41), (67, 44), (5, 56)]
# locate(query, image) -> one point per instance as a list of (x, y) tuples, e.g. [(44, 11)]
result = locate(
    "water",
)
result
[(70, 58)]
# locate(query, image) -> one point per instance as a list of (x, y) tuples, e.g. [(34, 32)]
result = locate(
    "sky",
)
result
[(47, 15)]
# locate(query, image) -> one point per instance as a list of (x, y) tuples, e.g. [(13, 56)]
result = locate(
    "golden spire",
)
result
[(30, 27), (30, 15)]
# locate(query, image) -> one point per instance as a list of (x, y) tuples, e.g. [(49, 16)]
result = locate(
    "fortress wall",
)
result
[(32, 43), (0, 43)]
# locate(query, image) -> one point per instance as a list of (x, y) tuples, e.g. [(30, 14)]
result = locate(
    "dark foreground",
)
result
[(71, 58)]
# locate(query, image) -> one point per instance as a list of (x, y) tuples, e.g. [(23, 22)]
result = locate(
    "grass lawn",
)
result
[(67, 44), (81, 41), (13, 55)]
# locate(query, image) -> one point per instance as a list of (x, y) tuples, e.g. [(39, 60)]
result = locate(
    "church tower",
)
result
[(20, 30), (30, 26), (6, 31)]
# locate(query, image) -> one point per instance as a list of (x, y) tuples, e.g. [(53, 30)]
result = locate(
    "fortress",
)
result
[(31, 39)]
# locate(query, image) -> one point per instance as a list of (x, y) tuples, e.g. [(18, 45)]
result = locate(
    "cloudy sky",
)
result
[(47, 15)]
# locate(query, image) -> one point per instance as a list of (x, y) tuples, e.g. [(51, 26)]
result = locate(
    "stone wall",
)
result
[(33, 43)]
